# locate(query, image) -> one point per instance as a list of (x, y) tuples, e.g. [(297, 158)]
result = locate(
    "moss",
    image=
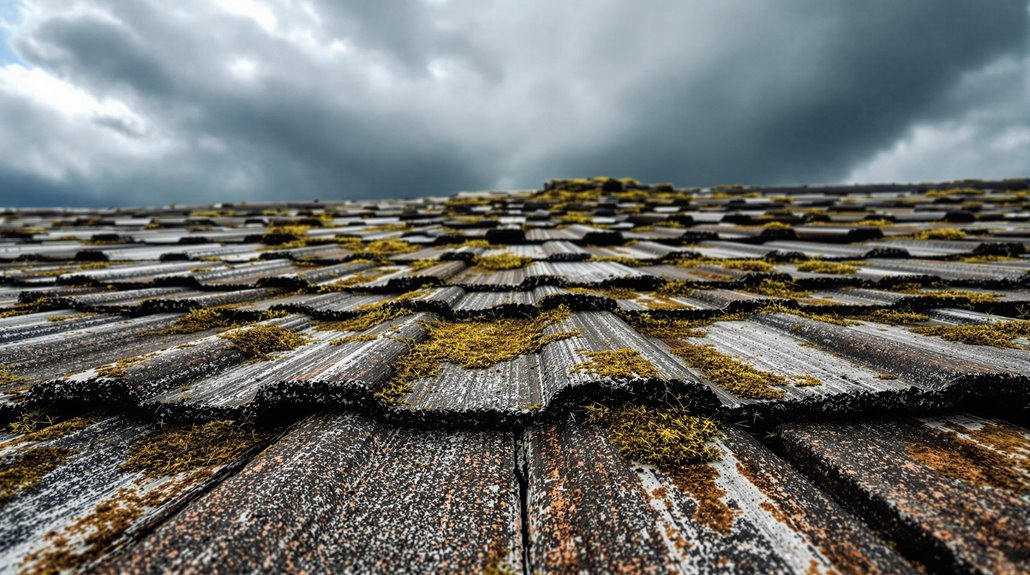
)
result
[(355, 280), (894, 317), (285, 234), (198, 320), (175, 450), (969, 461), (65, 317), (422, 264), (386, 228), (366, 320), (90, 536), (26, 470), (610, 292), (667, 328), (472, 344), (972, 296), (34, 306), (732, 374), (777, 288), (259, 341), (996, 334), (623, 363), (806, 381), (501, 262), (823, 317), (469, 244), (823, 267), (751, 265), (49, 430), (377, 248), (662, 436), (947, 234), (8, 377), (988, 259), (118, 368)]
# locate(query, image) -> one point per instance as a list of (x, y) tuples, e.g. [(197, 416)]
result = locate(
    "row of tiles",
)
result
[(345, 492), (662, 243), (852, 368), (369, 276)]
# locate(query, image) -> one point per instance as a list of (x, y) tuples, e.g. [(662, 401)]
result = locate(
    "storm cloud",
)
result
[(148, 102)]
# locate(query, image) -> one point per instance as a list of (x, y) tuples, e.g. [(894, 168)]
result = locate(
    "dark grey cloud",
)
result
[(145, 102)]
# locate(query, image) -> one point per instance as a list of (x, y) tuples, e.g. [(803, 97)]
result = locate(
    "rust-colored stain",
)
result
[(698, 479), (966, 460)]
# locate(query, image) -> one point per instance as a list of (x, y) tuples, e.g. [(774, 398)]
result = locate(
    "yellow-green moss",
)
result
[(175, 450), (65, 317), (996, 334), (8, 377), (658, 436), (947, 234), (668, 328), (355, 279), (260, 341), (500, 262), (750, 265), (118, 368), (777, 288), (894, 317), (824, 267), (198, 320), (44, 429), (366, 320), (622, 363), (285, 234), (26, 470), (732, 374), (422, 264), (472, 344), (609, 292)]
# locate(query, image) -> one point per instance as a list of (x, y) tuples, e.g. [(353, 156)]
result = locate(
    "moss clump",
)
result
[(667, 328), (366, 320), (65, 317), (377, 248), (658, 436), (26, 471), (777, 288), (285, 234), (260, 341), (823, 267), (972, 296), (963, 459), (501, 262), (199, 320), (472, 344), (8, 377), (118, 368), (49, 430), (748, 265), (947, 234), (732, 374), (996, 334), (610, 292), (894, 317), (177, 450), (623, 363), (422, 264), (355, 280), (988, 259)]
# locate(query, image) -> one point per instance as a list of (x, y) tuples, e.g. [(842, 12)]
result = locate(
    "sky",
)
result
[(148, 102)]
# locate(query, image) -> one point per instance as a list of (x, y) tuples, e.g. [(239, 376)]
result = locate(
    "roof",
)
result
[(596, 376)]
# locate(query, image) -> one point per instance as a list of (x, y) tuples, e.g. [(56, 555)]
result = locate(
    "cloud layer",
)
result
[(110, 102)]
